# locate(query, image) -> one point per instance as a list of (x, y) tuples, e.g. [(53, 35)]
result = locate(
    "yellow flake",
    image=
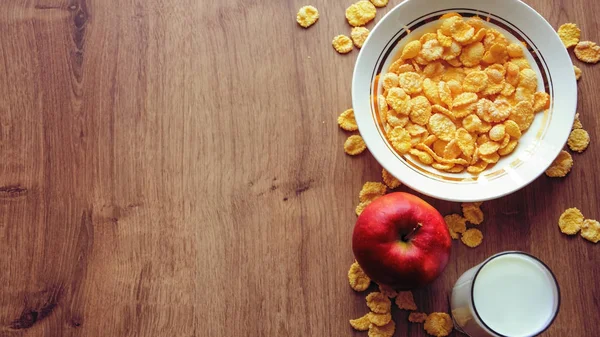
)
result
[(577, 123), (497, 132), (361, 324), (389, 180), (442, 126), (360, 13), (307, 16), (420, 110), (569, 33), (411, 82), (382, 331), (405, 300), (587, 51), (400, 140), (472, 237), (423, 157), (515, 50), (475, 81), (371, 191), (389, 80), (570, 221), (578, 141), (359, 281), (509, 148), (456, 225), (431, 50), (438, 324), (522, 114), (342, 44), (359, 36), (590, 230), (354, 145), (379, 3), (346, 120), (561, 165), (411, 50), (472, 54), (472, 212), (577, 72), (378, 303)]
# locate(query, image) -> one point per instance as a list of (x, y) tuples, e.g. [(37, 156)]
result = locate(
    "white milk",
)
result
[(513, 294)]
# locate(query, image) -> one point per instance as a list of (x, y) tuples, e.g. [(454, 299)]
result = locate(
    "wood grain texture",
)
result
[(174, 168)]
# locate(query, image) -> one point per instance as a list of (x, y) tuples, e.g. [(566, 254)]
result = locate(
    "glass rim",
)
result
[(536, 259)]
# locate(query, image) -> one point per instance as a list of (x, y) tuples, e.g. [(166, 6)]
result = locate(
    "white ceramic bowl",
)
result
[(539, 145)]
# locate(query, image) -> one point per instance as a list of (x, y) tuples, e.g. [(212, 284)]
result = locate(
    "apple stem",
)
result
[(409, 236)]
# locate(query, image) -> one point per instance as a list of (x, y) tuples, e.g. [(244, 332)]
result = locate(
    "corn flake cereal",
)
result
[(456, 224), (405, 300), (354, 145), (411, 50), (379, 319), (417, 317), (570, 221), (346, 120), (387, 291), (389, 80), (411, 82), (371, 191), (472, 237), (438, 324), (561, 165), (360, 13), (431, 50), (389, 180), (497, 132), (522, 114), (361, 324), (442, 126), (423, 157), (420, 110), (342, 44), (577, 123), (590, 230), (361, 207), (569, 34), (509, 148), (475, 81), (359, 281), (587, 51), (577, 72), (398, 100), (472, 212), (515, 50), (382, 331), (472, 54), (307, 16), (359, 36), (578, 141), (400, 140), (378, 303), (379, 3)]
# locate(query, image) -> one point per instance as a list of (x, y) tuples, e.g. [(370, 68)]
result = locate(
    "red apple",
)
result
[(401, 241)]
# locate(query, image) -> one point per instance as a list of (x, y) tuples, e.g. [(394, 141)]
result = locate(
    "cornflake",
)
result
[(359, 36), (307, 16), (371, 191), (472, 212), (577, 72), (570, 221), (360, 13), (587, 51), (400, 139), (387, 291), (379, 3), (405, 301), (577, 123), (569, 34), (361, 324), (590, 230), (378, 303), (411, 50), (342, 44), (389, 180), (382, 331), (456, 224), (359, 281), (578, 141), (438, 324), (561, 165), (417, 317), (472, 237), (346, 120), (354, 145), (379, 319)]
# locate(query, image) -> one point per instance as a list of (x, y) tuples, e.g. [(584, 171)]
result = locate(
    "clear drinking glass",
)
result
[(511, 294)]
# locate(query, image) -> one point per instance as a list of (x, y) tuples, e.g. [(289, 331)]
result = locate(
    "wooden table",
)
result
[(174, 168)]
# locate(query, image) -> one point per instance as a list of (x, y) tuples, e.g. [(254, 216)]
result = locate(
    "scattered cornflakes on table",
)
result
[(359, 281), (359, 36), (456, 224), (371, 191), (406, 301), (472, 237), (570, 221), (438, 324), (379, 319), (342, 44), (387, 291), (379, 3), (354, 145), (561, 166), (346, 120), (569, 34), (587, 51), (579, 139), (472, 212), (307, 16), (389, 180), (577, 72), (590, 230), (417, 317), (361, 323), (577, 123), (360, 13), (378, 303)]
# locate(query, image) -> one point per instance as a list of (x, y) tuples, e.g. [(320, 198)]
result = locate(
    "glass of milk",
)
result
[(511, 294)]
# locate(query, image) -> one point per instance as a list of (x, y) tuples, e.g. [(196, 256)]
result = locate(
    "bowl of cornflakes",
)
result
[(464, 100)]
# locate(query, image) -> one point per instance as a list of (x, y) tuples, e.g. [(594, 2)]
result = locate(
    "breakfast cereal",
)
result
[(360, 13), (361, 207), (472, 212), (382, 331), (569, 33), (561, 165), (578, 141), (379, 3), (361, 323), (387, 291), (577, 72), (378, 303), (307, 16), (570, 221), (438, 324), (389, 180), (472, 237), (417, 317), (342, 44), (577, 123), (456, 224), (590, 230), (359, 281), (587, 51), (379, 319), (346, 120), (359, 36), (354, 145), (405, 300), (371, 191)]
